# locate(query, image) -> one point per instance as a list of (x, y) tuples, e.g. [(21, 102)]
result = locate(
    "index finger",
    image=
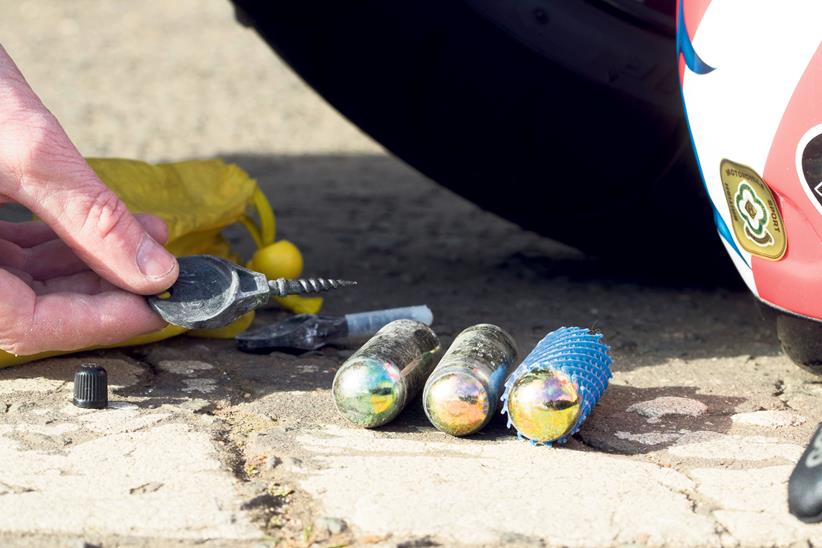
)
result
[(31, 323), (26, 234)]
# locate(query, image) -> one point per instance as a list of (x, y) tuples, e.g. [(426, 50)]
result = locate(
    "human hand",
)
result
[(75, 279)]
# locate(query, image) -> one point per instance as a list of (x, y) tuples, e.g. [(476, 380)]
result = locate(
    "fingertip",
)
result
[(159, 267), (155, 226), (122, 316)]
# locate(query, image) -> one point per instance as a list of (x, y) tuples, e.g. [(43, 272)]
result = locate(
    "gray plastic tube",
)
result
[(365, 324)]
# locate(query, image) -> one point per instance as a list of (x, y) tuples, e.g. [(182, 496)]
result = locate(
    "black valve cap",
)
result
[(805, 485), (91, 387)]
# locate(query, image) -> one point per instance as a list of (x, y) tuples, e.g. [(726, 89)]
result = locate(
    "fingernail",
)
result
[(153, 260)]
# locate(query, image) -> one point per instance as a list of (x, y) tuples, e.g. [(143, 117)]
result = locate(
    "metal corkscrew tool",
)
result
[(212, 292)]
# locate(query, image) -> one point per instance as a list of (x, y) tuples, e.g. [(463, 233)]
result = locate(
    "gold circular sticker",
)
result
[(756, 219)]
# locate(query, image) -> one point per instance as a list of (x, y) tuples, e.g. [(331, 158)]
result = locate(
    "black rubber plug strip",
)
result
[(805, 485)]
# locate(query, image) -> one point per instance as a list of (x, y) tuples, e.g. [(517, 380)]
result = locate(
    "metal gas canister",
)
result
[(378, 381), (463, 392)]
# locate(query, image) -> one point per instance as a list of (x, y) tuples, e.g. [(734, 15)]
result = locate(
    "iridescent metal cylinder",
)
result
[(463, 391), (545, 405), (551, 393), (378, 381)]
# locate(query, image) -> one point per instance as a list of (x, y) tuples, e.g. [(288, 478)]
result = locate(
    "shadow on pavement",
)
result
[(409, 241), (612, 427)]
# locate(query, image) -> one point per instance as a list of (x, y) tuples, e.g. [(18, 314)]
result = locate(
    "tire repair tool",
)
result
[(311, 331), (212, 292)]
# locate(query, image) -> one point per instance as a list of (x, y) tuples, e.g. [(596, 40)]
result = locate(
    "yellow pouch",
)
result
[(197, 199)]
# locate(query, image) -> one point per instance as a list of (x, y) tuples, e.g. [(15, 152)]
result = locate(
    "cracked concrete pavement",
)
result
[(691, 445)]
